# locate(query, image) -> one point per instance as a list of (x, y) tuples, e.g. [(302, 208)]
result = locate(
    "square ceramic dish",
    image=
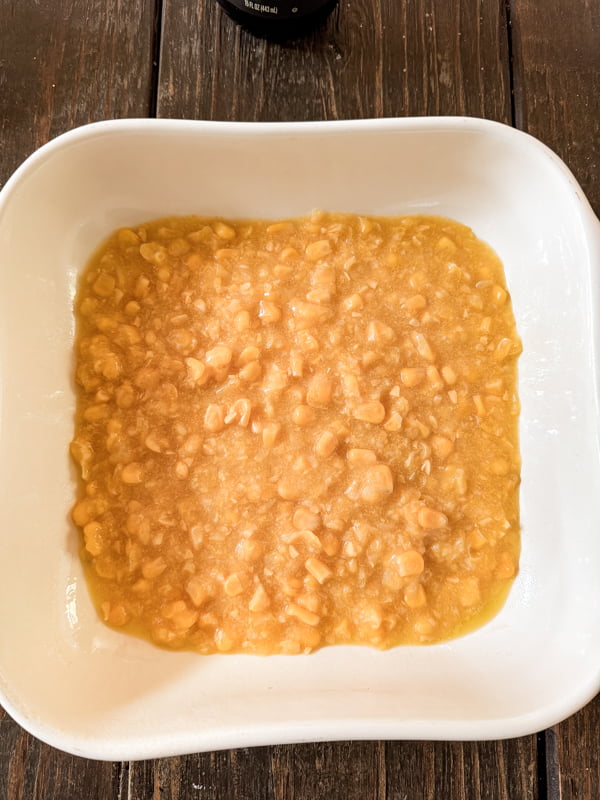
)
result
[(91, 691)]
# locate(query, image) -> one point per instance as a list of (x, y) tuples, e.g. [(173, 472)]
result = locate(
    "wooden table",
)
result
[(534, 65)]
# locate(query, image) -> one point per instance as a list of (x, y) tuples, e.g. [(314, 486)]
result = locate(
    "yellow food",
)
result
[(296, 434)]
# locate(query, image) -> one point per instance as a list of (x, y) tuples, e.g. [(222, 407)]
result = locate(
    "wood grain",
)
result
[(233, 774), (329, 770), (31, 770), (467, 770), (67, 62), (373, 58), (286, 772), (373, 770), (556, 56), (573, 756)]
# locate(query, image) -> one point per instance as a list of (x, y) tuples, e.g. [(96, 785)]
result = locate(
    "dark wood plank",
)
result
[(556, 56), (462, 770), (372, 58), (342, 770), (573, 756), (67, 62), (346, 770), (30, 770), (332, 770), (233, 774)]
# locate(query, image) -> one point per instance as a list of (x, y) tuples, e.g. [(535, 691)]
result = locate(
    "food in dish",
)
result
[(297, 433)]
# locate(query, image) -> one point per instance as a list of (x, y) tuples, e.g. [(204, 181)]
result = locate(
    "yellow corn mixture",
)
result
[(296, 434)]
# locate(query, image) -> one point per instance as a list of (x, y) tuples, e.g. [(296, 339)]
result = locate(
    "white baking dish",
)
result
[(92, 691)]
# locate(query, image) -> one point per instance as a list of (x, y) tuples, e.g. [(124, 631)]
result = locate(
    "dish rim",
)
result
[(393, 729)]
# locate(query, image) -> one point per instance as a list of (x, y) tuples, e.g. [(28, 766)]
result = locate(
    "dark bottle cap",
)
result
[(278, 19)]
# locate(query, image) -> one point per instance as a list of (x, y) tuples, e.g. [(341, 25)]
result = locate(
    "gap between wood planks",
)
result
[(156, 44)]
